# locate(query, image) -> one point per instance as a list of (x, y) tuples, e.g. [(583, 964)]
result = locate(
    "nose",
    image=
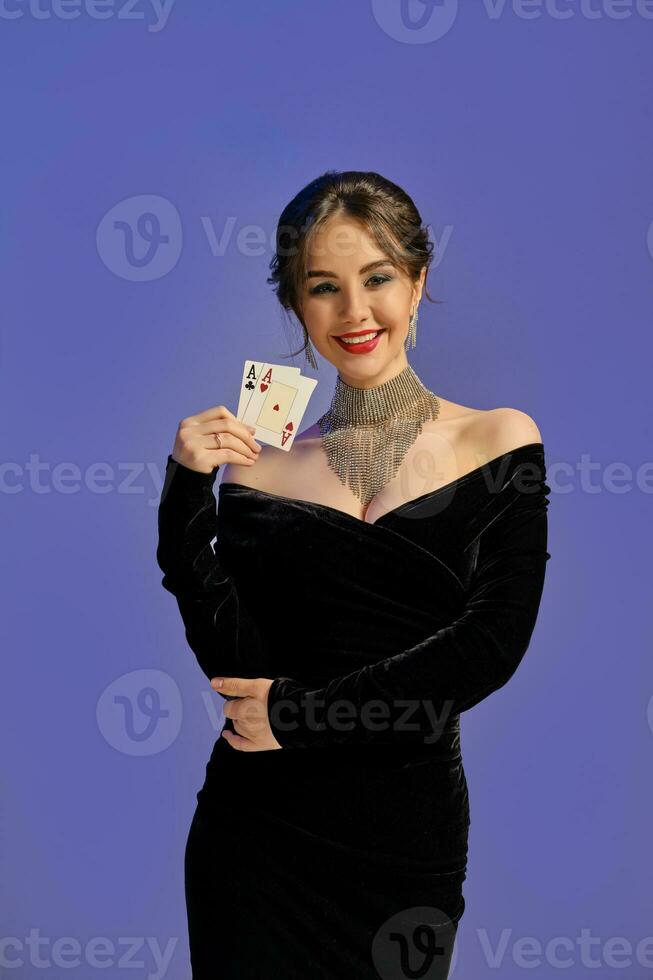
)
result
[(355, 309)]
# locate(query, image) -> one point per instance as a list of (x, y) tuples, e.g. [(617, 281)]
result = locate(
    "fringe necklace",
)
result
[(366, 432)]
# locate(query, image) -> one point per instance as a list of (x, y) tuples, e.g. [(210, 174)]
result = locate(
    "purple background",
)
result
[(525, 142)]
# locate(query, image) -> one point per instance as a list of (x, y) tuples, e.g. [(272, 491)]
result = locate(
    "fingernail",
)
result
[(217, 682)]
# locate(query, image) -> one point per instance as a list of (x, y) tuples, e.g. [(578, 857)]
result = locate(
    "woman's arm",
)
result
[(409, 696), (219, 630)]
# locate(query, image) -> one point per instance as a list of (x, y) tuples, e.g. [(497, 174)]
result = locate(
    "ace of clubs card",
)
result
[(252, 371)]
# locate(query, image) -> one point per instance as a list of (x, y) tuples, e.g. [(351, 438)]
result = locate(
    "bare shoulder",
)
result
[(257, 476), (271, 466), (501, 430)]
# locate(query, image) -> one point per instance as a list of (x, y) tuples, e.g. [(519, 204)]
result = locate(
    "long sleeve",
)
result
[(408, 696), (219, 630)]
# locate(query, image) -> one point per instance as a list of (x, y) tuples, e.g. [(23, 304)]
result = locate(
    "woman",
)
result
[(350, 598)]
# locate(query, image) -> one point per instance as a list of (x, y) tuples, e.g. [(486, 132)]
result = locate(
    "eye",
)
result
[(329, 287)]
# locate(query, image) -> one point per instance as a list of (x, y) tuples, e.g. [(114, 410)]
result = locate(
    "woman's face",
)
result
[(352, 287)]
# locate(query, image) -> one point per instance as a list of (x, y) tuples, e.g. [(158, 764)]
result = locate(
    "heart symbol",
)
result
[(290, 426), (276, 408), (264, 387)]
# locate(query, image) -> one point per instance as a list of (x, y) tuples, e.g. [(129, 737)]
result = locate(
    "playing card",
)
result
[(277, 406), (252, 372)]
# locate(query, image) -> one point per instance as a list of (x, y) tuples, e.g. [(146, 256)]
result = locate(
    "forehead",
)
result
[(341, 239)]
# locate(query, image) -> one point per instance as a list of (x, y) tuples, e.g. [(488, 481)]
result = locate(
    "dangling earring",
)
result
[(411, 339), (310, 355)]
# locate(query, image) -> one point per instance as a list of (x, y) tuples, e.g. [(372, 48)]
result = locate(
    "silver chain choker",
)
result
[(366, 432)]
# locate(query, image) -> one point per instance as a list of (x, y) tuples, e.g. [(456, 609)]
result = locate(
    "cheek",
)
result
[(317, 318), (393, 305), (394, 315)]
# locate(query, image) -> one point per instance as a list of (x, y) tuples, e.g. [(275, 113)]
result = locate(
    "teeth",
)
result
[(359, 340)]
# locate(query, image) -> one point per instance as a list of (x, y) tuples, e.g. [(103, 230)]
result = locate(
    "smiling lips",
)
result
[(359, 342)]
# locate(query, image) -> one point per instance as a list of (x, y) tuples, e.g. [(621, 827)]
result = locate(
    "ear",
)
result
[(418, 288)]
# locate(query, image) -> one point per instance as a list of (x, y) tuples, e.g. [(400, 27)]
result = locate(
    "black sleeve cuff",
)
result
[(180, 479)]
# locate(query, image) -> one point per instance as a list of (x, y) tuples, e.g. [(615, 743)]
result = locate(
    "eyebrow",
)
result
[(316, 273)]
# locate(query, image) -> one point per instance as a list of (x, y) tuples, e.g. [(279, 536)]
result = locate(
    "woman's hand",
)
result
[(196, 446), (249, 713)]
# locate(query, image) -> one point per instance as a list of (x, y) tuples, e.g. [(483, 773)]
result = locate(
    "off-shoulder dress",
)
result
[(343, 854)]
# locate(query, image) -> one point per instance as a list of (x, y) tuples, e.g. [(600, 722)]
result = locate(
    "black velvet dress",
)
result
[(343, 854)]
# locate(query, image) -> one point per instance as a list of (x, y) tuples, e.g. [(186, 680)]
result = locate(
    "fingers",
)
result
[(225, 424), (208, 415), (231, 443), (237, 741), (247, 712), (197, 447)]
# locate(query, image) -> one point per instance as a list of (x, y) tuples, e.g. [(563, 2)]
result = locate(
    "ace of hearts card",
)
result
[(277, 404)]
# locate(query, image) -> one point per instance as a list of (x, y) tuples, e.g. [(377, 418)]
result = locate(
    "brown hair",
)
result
[(383, 208)]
